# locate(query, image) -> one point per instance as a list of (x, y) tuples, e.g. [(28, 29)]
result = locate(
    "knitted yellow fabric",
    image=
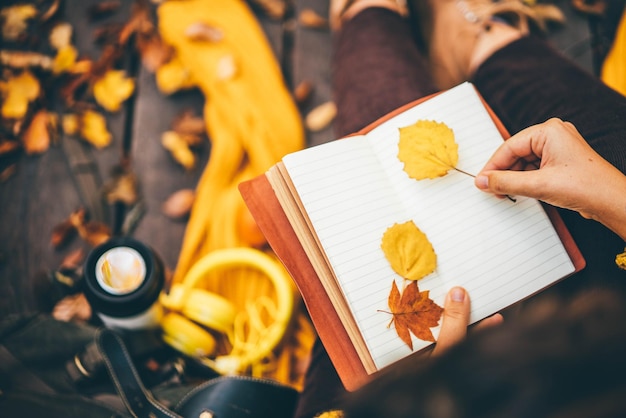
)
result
[(252, 121), (614, 66)]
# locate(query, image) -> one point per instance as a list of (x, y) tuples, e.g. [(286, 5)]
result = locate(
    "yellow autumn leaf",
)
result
[(18, 92), (61, 35), (70, 123), (179, 148), (409, 251), (93, 129), (113, 89), (14, 20), (65, 59), (173, 76), (427, 149), (36, 138)]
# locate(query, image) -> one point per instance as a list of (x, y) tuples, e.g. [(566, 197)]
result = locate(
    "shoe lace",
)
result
[(518, 13)]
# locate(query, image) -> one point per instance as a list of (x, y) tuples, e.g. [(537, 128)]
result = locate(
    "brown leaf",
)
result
[(321, 116), (309, 18), (122, 188), (73, 260), (36, 138), (62, 233), (25, 59), (104, 8), (186, 123), (15, 20), (179, 203), (154, 52), (9, 146), (303, 91), (72, 308), (94, 233), (413, 312), (8, 172)]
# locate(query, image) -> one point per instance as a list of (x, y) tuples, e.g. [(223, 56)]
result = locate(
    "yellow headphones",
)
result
[(192, 309)]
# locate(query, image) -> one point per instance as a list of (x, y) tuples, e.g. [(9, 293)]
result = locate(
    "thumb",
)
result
[(506, 182), (456, 312)]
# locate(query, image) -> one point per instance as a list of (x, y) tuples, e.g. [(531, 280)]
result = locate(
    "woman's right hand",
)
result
[(552, 162)]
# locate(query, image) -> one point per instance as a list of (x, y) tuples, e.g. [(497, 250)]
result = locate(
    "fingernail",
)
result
[(482, 182), (457, 294)]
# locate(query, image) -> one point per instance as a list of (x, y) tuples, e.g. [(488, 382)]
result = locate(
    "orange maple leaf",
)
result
[(413, 312)]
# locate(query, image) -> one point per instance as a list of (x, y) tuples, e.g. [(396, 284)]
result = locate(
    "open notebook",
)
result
[(340, 197)]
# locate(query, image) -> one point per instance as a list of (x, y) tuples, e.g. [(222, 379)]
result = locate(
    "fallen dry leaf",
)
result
[(8, 172), (73, 260), (303, 91), (93, 129), (9, 146), (15, 20), (104, 8), (321, 116), (173, 76), (61, 35), (122, 188), (111, 90), (620, 260), (70, 124), (36, 138), (62, 233), (18, 92), (25, 59), (309, 18), (275, 9), (186, 123), (413, 312), (427, 149), (154, 52), (179, 149), (94, 233), (408, 251), (179, 203), (72, 308), (64, 59)]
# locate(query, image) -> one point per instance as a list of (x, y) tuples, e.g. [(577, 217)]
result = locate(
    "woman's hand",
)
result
[(456, 315), (552, 162)]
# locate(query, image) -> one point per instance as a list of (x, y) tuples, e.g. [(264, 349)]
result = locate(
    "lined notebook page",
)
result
[(354, 189)]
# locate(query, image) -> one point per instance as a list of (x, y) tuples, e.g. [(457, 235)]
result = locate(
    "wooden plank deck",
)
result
[(44, 191)]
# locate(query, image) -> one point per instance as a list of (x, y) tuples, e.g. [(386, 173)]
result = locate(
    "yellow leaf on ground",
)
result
[(179, 148), (173, 76), (18, 92), (36, 138), (94, 130), (64, 59), (113, 89), (427, 149), (409, 251), (70, 123), (61, 35), (14, 20)]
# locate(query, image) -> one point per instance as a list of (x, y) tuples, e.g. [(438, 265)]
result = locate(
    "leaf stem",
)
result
[(512, 199)]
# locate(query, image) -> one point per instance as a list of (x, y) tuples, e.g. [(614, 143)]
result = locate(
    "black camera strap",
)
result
[(136, 397)]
